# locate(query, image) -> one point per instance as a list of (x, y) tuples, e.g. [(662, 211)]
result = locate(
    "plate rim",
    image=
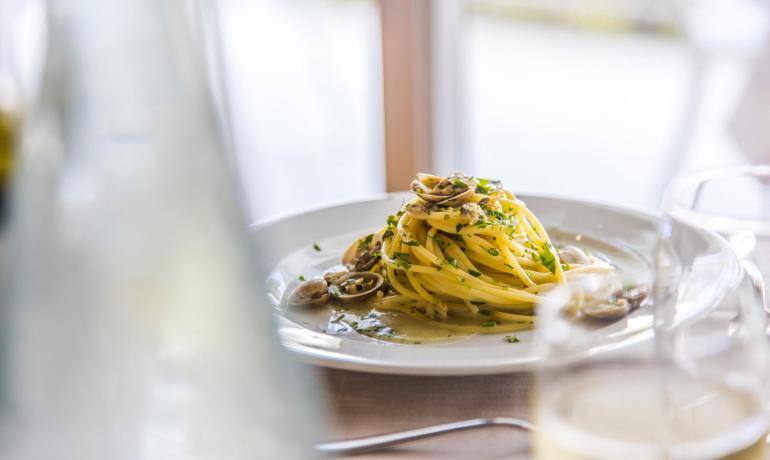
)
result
[(341, 361)]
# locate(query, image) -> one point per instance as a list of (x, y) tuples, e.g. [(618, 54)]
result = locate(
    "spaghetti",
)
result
[(466, 255)]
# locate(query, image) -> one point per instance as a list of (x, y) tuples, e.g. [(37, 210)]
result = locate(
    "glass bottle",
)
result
[(137, 327)]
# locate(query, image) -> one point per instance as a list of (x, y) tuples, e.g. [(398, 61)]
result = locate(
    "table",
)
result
[(363, 404)]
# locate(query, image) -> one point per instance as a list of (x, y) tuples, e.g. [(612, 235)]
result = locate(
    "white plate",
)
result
[(627, 237)]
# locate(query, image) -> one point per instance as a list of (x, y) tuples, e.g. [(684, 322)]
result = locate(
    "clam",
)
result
[(471, 213), (449, 191), (607, 310), (362, 254), (635, 296), (417, 210), (331, 277), (356, 286), (429, 180), (573, 255), (311, 292)]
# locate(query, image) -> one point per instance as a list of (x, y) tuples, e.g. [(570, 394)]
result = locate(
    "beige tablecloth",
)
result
[(362, 404)]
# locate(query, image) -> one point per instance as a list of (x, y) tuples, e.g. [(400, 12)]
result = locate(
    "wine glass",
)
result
[(735, 202), (695, 395)]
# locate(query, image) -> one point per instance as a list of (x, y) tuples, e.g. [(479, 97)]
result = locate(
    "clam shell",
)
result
[(337, 286)]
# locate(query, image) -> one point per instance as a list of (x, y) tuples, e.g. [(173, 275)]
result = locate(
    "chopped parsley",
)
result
[(483, 186), (388, 233), (446, 216), (338, 318), (509, 266), (452, 261), (511, 339), (459, 184), (493, 252), (478, 302), (365, 242), (458, 227), (402, 260), (316, 247), (392, 220), (474, 273), (490, 323), (410, 243), (496, 214), (548, 259), (301, 277)]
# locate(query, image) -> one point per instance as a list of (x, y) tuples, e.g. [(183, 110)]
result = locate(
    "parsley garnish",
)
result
[(446, 216), (511, 339), (316, 247), (490, 323), (458, 227), (410, 243), (496, 214), (392, 220), (478, 302), (459, 184), (388, 233), (509, 266), (338, 318), (493, 252), (483, 186), (452, 261), (365, 242), (474, 273), (548, 259), (402, 259), (301, 278)]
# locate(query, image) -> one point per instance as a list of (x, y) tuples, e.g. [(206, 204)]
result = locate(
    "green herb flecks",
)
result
[(493, 251), (317, 247), (334, 291), (484, 187), (511, 339), (364, 243), (402, 260), (490, 323), (339, 318), (474, 273), (548, 259), (301, 278)]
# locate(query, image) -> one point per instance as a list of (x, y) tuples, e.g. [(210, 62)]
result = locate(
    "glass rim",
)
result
[(673, 201)]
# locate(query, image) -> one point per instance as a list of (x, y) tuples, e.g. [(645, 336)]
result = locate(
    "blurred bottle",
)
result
[(137, 327), (9, 115), (8, 139)]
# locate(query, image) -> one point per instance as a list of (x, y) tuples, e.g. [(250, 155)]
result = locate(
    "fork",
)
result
[(382, 441)]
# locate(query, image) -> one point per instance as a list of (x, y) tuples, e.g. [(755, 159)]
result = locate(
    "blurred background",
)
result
[(343, 99)]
